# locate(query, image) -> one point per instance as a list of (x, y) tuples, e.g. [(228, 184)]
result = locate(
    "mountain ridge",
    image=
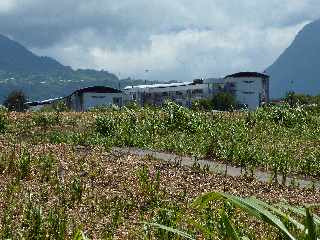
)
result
[(42, 77), (17, 58)]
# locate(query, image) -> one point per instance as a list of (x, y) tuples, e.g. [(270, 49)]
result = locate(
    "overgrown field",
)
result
[(59, 176), (283, 140)]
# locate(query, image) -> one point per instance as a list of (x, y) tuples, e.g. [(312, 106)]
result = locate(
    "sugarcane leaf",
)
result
[(169, 229)]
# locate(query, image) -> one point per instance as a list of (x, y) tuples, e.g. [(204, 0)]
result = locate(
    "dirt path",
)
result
[(215, 166)]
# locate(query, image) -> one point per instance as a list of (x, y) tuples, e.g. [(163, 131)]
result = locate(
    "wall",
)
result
[(91, 100), (84, 101), (248, 90)]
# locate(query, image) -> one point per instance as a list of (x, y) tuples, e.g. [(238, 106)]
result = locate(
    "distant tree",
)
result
[(224, 101), (16, 101)]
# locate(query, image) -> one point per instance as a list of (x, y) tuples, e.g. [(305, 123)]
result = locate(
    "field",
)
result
[(61, 179)]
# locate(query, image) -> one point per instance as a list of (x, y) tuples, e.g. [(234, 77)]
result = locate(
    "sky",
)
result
[(172, 39)]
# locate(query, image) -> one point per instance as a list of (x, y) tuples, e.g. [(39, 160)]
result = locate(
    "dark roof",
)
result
[(97, 89), (248, 74)]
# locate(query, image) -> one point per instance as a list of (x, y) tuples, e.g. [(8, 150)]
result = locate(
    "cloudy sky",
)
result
[(174, 39)]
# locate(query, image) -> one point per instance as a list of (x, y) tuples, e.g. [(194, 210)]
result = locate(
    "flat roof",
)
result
[(44, 102), (160, 85)]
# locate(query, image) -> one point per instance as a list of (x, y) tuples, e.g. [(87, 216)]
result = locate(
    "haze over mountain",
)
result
[(298, 67), (44, 77)]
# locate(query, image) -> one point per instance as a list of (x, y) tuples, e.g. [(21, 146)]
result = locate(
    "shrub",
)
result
[(105, 125), (224, 101), (16, 101), (24, 164), (283, 115), (59, 106), (46, 120)]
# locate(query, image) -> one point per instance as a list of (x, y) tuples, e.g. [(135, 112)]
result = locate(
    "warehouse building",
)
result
[(90, 97)]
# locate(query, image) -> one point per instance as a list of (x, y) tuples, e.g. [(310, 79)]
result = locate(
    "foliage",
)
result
[(222, 101), (287, 226), (294, 99), (59, 106), (249, 140), (3, 122)]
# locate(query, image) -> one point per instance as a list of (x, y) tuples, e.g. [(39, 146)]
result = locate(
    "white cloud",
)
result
[(176, 39), (184, 54), (7, 5)]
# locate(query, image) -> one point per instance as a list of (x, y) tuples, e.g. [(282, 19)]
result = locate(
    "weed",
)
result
[(24, 164), (46, 163), (3, 123), (76, 190), (150, 186)]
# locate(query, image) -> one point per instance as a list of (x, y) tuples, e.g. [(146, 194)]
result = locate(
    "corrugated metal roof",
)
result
[(44, 102)]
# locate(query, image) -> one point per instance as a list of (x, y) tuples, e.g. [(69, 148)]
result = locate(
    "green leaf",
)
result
[(251, 207), (172, 230), (297, 224), (229, 230), (311, 231), (80, 236), (301, 211)]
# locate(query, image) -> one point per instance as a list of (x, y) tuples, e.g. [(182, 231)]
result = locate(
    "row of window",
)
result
[(177, 93)]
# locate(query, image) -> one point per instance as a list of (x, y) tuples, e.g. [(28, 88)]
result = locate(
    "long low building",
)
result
[(251, 89)]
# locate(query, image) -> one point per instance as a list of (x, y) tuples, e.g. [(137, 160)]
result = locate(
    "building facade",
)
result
[(90, 97), (157, 94)]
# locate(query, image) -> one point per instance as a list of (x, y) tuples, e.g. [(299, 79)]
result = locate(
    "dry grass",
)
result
[(111, 185)]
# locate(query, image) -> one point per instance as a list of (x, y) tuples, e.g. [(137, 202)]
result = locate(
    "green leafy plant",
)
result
[(287, 226)]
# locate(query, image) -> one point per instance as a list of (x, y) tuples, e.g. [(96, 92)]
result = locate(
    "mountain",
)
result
[(298, 67), (16, 58), (44, 77)]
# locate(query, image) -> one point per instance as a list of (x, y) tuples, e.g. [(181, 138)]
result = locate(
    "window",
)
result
[(248, 92), (98, 96), (179, 93), (165, 94), (197, 91), (250, 81)]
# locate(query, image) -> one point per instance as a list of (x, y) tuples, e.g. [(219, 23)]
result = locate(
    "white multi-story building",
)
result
[(182, 93), (251, 89)]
